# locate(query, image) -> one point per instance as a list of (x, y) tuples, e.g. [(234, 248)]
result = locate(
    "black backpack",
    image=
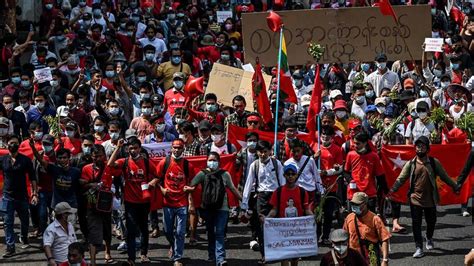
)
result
[(213, 191)]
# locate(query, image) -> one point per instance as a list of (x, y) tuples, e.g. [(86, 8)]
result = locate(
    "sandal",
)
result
[(170, 253), (109, 260), (401, 230), (192, 242), (131, 263), (144, 259)]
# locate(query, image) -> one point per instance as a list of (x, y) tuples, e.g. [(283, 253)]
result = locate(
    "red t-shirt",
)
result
[(91, 175), (134, 175), (174, 99), (330, 156), (364, 169), (45, 180), (211, 53), (104, 139), (174, 180), (290, 202), (74, 145)]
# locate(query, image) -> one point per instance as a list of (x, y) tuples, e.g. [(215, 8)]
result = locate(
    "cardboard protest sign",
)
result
[(161, 149), (348, 34), (286, 238), (433, 44), (43, 74), (227, 82), (223, 15)]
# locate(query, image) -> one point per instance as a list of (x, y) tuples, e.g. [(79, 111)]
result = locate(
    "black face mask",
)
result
[(421, 154), (13, 147)]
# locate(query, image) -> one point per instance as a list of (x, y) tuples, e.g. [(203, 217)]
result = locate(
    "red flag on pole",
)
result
[(453, 158), (274, 21), (387, 10), (315, 104), (259, 93)]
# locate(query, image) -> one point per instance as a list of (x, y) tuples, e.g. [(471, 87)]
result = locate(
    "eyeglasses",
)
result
[(252, 122)]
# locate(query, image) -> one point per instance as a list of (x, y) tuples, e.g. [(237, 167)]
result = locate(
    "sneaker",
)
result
[(429, 244), (10, 252), (224, 263), (24, 243), (254, 245), (418, 253), (177, 263), (466, 214), (122, 246)]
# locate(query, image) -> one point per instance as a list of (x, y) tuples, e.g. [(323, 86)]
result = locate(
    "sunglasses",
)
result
[(252, 122)]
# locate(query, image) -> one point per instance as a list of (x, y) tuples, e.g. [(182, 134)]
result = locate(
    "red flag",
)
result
[(387, 10), (453, 158), (274, 21), (457, 16), (259, 93), (287, 92), (315, 105)]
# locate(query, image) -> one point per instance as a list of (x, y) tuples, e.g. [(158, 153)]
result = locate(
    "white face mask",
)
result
[(445, 84), (213, 165), (381, 109), (381, 65), (216, 138), (340, 249), (182, 136), (98, 128), (160, 128), (114, 135), (69, 133), (47, 149), (3, 131), (340, 114), (422, 115)]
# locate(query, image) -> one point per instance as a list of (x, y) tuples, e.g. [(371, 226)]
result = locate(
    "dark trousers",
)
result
[(136, 220), (82, 216), (154, 220), (254, 223), (330, 205), (417, 216), (263, 207), (396, 209)]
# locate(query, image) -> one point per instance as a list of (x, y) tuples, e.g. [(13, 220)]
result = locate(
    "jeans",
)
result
[(215, 226), (136, 219), (417, 216), (154, 220), (174, 225), (21, 207), (44, 209)]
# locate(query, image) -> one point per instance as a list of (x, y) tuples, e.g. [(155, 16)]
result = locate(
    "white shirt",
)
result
[(109, 147), (56, 237), (159, 44), (380, 81), (470, 83), (220, 150), (419, 130), (309, 178), (455, 115), (267, 179), (251, 157)]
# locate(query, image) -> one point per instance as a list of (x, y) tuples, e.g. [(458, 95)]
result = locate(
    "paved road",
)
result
[(454, 237)]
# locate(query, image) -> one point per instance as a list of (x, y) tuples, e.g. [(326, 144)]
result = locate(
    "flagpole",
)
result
[(278, 93)]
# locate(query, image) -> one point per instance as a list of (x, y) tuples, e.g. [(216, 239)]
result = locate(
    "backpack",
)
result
[(302, 196), (213, 191)]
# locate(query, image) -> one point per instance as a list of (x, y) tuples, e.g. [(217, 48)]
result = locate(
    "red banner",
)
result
[(453, 158)]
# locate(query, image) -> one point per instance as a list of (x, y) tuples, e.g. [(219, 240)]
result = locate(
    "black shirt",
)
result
[(65, 184), (14, 176)]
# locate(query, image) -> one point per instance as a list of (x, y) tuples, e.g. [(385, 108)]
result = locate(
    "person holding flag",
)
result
[(423, 194)]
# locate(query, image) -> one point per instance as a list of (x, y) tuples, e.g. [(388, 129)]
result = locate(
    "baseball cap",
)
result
[(339, 235), (411, 107), (217, 127), (370, 108), (422, 105), (334, 93), (406, 95), (423, 140), (408, 83), (305, 100), (63, 207), (359, 198), (48, 139), (340, 104), (289, 167), (71, 125), (253, 117), (354, 122), (178, 75), (177, 143), (381, 58), (204, 124), (380, 101), (4, 121), (130, 133)]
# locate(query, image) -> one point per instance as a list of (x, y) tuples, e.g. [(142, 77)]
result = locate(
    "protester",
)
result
[(341, 253), (75, 255)]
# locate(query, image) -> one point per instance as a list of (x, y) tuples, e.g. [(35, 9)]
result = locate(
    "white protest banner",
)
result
[(433, 44), (286, 238), (226, 82), (223, 15), (43, 74), (161, 149)]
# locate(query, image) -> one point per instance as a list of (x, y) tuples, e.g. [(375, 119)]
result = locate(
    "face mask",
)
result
[(356, 209), (25, 84), (129, 33), (251, 144), (211, 107), (381, 109), (110, 73), (369, 94), (160, 128), (49, 6), (340, 249), (149, 56), (360, 100), (421, 154), (3, 131), (16, 80), (13, 147), (225, 57), (54, 83), (298, 83), (171, 17), (146, 111), (25, 105), (422, 115), (362, 150), (82, 53), (455, 66), (435, 34), (144, 96), (423, 94), (40, 105), (38, 135), (9, 106), (445, 84), (178, 84), (177, 157), (213, 165), (87, 23), (114, 135), (234, 47), (98, 128), (340, 114), (176, 60), (114, 111), (381, 65), (437, 72), (141, 79), (157, 108), (178, 121), (123, 25), (365, 67), (216, 138), (97, 13), (86, 150), (182, 136), (69, 133)]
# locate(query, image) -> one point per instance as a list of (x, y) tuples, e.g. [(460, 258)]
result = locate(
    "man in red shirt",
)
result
[(174, 176), (138, 176), (363, 170), (175, 97), (211, 113)]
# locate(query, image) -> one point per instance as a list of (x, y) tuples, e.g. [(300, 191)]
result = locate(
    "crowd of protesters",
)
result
[(119, 70)]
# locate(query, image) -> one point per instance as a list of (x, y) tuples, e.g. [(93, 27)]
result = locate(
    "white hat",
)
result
[(305, 100), (334, 94)]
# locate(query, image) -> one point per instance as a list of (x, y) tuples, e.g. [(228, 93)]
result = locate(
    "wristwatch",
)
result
[(385, 260)]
